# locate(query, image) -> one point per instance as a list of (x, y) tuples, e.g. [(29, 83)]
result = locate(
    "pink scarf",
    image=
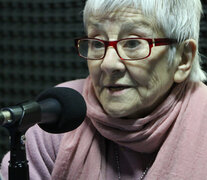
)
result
[(177, 128)]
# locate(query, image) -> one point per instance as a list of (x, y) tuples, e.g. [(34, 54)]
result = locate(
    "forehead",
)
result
[(129, 17)]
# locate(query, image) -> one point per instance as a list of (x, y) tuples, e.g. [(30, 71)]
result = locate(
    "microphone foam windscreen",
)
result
[(73, 109)]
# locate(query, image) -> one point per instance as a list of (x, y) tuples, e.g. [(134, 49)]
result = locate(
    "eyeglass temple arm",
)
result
[(163, 41)]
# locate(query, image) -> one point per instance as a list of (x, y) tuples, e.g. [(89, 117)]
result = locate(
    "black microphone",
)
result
[(63, 109), (56, 110)]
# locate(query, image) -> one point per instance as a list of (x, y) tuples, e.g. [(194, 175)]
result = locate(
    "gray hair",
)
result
[(179, 19)]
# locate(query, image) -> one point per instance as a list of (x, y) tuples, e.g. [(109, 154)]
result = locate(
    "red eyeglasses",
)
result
[(127, 49)]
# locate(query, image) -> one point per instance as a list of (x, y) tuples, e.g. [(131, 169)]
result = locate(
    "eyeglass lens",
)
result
[(127, 48)]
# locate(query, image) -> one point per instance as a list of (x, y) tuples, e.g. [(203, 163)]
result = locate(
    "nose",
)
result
[(112, 62)]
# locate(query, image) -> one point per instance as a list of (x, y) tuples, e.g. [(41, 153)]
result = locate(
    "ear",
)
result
[(187, 52)]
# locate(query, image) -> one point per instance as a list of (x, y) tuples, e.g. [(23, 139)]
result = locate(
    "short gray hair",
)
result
[(179, 19)]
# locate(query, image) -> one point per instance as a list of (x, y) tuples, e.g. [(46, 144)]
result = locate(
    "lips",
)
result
[(117, 88)]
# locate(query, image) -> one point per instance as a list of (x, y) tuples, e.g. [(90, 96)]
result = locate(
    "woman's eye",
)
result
[(131, 43), (97, 44)]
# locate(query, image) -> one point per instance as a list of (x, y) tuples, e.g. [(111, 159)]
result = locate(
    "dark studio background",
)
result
[(37, 49)]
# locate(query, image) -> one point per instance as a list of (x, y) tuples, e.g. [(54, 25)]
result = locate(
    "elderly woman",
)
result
[(145, 98)]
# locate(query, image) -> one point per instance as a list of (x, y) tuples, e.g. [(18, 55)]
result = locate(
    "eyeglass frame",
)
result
[(152, 42)]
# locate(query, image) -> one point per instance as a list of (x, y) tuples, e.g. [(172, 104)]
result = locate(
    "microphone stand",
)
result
[(18, 164), (21, 118)]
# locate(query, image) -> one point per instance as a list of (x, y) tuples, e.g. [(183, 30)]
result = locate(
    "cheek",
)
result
[(95, 74), (94, 70), (140, 72), (153, 77), (152, 71)]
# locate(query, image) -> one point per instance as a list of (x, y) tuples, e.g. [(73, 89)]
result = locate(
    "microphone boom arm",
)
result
[(22, 116)]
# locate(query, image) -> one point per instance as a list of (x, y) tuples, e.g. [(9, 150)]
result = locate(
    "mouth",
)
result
[(117, 88)]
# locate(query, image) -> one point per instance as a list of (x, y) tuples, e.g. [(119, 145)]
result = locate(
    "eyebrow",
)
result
[(135, 24), (128, 26), (95, 25)]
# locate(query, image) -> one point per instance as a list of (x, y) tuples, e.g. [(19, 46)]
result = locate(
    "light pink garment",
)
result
[(178, 127)]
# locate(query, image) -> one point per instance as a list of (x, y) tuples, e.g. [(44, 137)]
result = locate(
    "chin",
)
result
[(117, 113)]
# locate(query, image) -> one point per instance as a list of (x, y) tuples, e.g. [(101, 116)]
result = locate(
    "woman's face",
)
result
[(124, 88)]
